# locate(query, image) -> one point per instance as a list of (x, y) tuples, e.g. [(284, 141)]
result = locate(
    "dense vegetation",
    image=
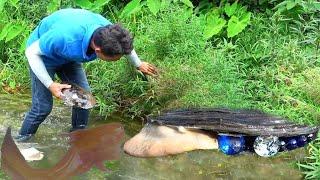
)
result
[(259, 54)]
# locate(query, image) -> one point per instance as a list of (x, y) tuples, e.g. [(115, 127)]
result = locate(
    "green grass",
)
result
[(273, 65), (311, 167)]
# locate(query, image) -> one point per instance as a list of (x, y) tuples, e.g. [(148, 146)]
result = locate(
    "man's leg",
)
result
[(40, 108), (74, 73)]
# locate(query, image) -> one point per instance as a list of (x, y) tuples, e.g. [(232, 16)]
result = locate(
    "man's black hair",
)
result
[(113, 40)]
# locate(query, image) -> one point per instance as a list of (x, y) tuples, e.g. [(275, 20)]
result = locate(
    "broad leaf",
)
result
[(131, 8), (291, 4), (85, 4), (283, 3), (235, 26), (230, 10), (14, 32), (241, 10), (187, 2), (213, 26), (97, 6), (311, 6), (246, 18), (154, 6), (100, 3)]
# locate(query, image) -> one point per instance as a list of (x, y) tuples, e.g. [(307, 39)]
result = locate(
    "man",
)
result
[(59, 45)]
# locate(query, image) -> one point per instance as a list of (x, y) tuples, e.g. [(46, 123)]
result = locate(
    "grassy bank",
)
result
[(273, 66)]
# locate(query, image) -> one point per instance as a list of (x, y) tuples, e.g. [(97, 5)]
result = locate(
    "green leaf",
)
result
[(85, 4), (241, 10), (187, 2), (154, 6), (14, 32), (216, 11), (290, 5), (282, 4), (2, 2), (230, 10), (280, 10), (98, 5), (213, 26), (53, 6), (311, 7), (131, 8), (5, 31), (101, 3), (246, 18), (235, 26)]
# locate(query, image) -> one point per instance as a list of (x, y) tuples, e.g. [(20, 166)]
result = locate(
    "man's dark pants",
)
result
[(42, 99)]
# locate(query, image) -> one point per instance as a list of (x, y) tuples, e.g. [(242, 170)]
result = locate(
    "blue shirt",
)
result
[(65, 35)]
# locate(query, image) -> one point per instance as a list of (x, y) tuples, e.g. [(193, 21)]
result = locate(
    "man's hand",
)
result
[(147, 69), (56, 89)]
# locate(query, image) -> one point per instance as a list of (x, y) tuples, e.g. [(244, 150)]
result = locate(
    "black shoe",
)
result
[(23, 138)]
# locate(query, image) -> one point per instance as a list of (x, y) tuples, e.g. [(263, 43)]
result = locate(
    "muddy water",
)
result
[(192, 165)]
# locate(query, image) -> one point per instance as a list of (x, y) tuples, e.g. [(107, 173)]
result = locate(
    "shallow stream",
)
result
[(192, 165)]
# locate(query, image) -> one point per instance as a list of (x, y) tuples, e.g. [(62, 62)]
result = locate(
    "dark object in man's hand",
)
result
[(78, 97)]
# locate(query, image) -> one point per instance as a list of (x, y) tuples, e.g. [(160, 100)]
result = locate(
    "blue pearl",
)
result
[(301, 140), (231, 145), (292, 144)]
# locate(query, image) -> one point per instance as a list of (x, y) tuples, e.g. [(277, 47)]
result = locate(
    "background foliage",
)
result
[(251, 54)]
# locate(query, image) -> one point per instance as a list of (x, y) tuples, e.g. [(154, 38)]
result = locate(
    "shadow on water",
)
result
[(192, 165), (88, 149)]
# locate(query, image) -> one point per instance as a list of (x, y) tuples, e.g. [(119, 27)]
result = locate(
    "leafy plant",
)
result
[(12, 27), (154, 6), (237, 16), (297, 6), (237, 25), (214, 25), (95, 6)]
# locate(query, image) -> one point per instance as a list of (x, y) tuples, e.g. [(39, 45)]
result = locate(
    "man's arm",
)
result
[(37, 66), (142, 66), (33, 54), (134, 59)]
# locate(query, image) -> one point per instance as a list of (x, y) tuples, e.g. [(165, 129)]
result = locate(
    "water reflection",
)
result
[(90, 147)]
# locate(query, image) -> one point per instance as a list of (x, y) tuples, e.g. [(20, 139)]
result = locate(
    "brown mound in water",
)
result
[(250, 122), (154, 140), (90, 147)]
